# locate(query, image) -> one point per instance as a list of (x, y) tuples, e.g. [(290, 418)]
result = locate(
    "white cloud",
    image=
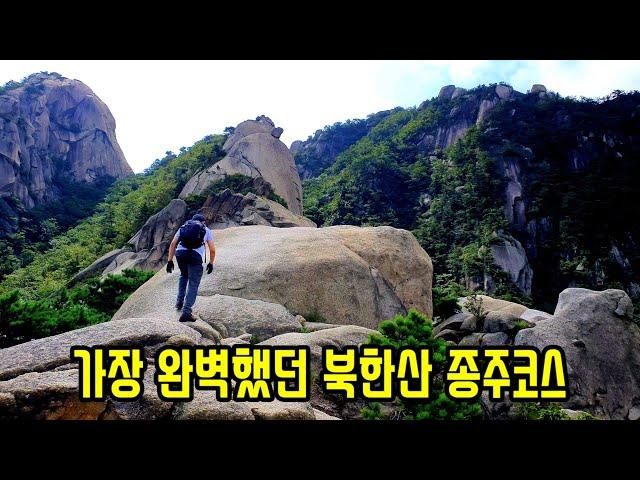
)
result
[(164, 105)]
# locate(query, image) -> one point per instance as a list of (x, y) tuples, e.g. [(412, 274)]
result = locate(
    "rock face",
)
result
[(512, 258), (508, 255), (468, 108), (538, 88), (345, 274), (54, 128), (261, 124), (602, 348), (253, 151), (151, 242), (148, 248), (229, 209)]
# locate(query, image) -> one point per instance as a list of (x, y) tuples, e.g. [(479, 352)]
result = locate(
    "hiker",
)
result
[(188, 245)]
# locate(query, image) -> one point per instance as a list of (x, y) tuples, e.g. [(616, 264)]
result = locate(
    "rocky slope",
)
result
[(360, 276), (148, 248), (266, 280), (37, 380), (54, 130), (303, 285)]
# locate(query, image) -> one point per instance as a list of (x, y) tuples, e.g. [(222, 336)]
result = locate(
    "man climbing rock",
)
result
[(188, 245)]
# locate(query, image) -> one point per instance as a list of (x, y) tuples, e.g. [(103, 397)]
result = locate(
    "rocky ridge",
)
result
[(254, 150), (148, 248)]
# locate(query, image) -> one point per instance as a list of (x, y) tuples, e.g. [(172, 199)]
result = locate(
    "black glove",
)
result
[(170, 266), (209, 268)]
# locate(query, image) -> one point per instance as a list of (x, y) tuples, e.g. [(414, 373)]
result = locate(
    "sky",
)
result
[(165, 105)]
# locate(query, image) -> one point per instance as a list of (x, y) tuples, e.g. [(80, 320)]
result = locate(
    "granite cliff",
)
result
[(53, 131)]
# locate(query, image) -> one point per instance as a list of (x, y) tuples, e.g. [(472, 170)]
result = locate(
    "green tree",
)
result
[(92, 302), (415, 330)]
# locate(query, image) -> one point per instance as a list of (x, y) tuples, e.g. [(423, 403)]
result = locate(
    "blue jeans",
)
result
[(190, 265)]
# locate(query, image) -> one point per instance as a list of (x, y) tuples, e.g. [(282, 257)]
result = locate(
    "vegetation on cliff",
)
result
[(578, 164), (127, 205)]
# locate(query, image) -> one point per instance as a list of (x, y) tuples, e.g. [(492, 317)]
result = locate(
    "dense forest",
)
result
[(32, 231)]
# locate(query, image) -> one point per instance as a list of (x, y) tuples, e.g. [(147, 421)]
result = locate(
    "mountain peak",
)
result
[(55, 130)]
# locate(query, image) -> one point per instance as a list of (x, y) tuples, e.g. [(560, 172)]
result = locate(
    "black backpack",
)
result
[(192, 234)]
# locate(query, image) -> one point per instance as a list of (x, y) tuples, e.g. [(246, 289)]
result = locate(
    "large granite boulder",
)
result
[(490, 304), (602, 348), (344, 274), (261, 124), (235, 316), (254, 152)]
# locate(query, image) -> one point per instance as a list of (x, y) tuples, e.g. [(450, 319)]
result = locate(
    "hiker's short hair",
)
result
[(198, 217)]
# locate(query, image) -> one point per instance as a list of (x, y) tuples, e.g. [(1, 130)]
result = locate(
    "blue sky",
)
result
[(164, 105)]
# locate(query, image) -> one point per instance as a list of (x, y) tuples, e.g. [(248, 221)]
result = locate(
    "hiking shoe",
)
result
[(179, 306), (187, 317)]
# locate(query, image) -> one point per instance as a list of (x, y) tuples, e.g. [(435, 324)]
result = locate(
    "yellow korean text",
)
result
[(110, 371), (524, 372), (376, 372), (241, 372), (383, 373)]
